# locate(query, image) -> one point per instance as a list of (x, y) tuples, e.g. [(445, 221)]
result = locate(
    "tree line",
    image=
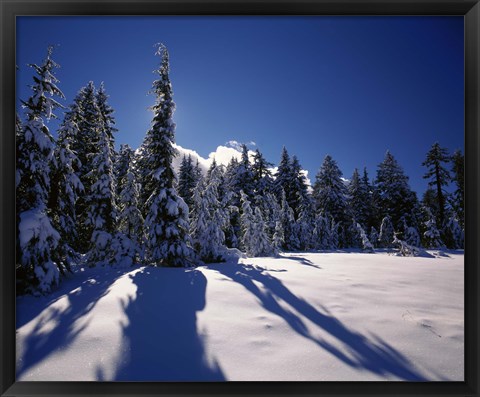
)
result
[(81, 201)]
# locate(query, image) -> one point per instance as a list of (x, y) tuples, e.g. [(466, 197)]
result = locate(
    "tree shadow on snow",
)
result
[(356, 350), (58, 326), (300, 259), (161, 338)]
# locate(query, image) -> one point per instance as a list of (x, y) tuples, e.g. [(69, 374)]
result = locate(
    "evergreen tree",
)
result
[(96, 119), (334, 235), (431, 235), (65, 190), (458, 164), (128, 241), (200, 218), (261, 174), (197, 171), (369, 208), (101, 207), (359, 200), (212, 167), (19, 172), (243, 177), (439, 176), (393, 195), (322, 233), (298, 188), (106, 114), (270, 208), (247, 225), (209, 219), (231, 172), (20, 143), (278, 239), (283, 175), (290, 179), (330, 193), (255, 240), (366, 244), (387, 232), (216, 173), (374, 236), (264, 191), (353, 238), (289, 226), (38, 240), (166, 221), (187, 180), (85, 113), (430, 200), (454, 235), (123, 160), (232, 202), (232, 229), (411, 235), (306, 223), (263, 245)]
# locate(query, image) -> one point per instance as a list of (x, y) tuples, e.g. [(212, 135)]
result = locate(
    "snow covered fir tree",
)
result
[(167, 241), (40, 262), (80, 202)]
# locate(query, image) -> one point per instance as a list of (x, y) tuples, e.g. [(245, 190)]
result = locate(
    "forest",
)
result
[(79, 200)]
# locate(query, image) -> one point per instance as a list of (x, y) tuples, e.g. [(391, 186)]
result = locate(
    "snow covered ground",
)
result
[(339, 316)]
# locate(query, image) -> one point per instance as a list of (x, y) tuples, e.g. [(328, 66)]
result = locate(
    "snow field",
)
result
[(340, 316)]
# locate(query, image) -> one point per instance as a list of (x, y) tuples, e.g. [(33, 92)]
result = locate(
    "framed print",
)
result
[(287, 205)]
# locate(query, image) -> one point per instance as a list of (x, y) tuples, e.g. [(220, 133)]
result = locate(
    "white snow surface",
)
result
[(333, 316)]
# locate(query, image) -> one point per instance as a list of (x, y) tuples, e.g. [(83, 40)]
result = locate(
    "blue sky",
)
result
[(351, 87)]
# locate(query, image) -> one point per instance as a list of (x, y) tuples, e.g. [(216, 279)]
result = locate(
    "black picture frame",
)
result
[(12, 8)]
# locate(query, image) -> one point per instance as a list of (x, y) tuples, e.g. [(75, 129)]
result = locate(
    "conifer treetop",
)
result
[(45, 83)]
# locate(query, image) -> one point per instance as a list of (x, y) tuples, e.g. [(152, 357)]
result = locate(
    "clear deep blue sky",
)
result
[(351, 87)]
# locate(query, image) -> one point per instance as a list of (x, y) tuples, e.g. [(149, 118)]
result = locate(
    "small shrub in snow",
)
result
[(411, 236), (404, 249), (432, 234), (386, 233), (366, 245)]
